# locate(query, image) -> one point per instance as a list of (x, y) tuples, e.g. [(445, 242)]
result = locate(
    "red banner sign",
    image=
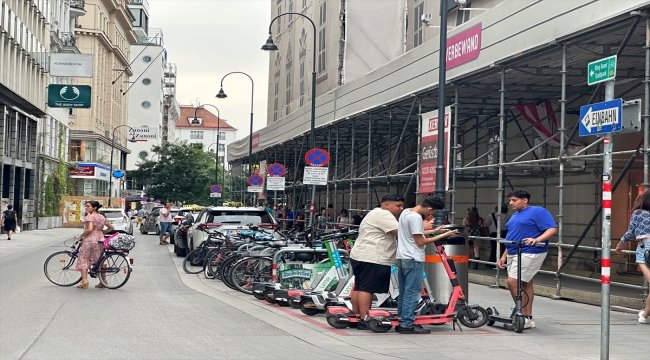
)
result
[(85, 171), (256, 141), (464, 47), (429, 153)]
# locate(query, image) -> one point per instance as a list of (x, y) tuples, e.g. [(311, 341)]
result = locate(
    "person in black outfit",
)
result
[(10, 219)]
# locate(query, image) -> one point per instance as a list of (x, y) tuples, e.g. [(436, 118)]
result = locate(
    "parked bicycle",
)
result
[(113, 268)]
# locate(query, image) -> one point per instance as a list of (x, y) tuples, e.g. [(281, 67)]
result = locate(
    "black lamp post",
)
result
[(222, 95), (110, 176), (195, 121), (270, 46)]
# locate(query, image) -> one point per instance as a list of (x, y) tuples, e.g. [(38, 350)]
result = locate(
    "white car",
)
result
[(118, 218)]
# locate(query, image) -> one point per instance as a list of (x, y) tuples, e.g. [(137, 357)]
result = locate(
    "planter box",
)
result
[(42, 223), (58, 221), (50, 222)]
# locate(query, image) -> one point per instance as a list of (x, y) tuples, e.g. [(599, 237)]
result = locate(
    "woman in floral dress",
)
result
[(91, 241)]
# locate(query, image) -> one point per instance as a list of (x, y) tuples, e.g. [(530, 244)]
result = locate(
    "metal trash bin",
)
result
[(457, 249)]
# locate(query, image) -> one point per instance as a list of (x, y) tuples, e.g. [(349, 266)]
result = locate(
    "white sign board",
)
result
[(275, 183), (217, 195), (142, 134), (255, 189), (71, 65), (315, 175)]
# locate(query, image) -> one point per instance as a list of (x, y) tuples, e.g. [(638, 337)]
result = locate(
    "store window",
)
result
[(145, 104), (196, 134), (146, 81), (146, 59)]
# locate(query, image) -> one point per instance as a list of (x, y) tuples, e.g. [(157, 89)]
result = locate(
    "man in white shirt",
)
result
[(165, 223), (374, 253)]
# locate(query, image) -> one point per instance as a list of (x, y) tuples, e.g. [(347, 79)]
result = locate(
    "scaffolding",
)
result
[(378, 151)]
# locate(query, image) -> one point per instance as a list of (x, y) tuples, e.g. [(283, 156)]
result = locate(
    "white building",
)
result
[(205, 132)]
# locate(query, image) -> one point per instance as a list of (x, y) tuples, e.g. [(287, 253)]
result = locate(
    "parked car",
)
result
[(227, 220), (149, 223), (184, 211), (180, 234), (118, 218)]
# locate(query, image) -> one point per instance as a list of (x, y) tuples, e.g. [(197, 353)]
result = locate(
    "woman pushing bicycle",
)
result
[(90, 251)]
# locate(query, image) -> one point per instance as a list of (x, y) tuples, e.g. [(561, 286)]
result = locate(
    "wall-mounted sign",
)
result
[(68, 96), (142, 134), (71, 65), (464, 47), (83, 172)]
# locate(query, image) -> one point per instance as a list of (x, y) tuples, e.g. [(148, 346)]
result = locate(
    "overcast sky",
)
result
[(207, 39)]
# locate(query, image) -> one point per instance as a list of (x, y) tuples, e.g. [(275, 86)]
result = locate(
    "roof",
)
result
[(209, 120)]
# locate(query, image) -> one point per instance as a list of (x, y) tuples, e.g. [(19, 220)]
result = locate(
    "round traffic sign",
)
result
[(276, 169), (118, 174), (215, 189), (255, 180), (317, 157)]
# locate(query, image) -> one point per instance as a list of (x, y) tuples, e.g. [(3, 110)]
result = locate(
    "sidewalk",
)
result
[(33, 239)]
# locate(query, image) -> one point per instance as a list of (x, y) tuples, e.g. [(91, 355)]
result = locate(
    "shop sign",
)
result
[(430, 150), (83, 172), (464, 47)]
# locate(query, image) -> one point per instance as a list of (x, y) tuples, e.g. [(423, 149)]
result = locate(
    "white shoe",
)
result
[(529, 324), (643, 320)]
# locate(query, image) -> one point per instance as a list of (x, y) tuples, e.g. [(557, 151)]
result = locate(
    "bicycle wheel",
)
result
[(213, 260), (193, 262), (225, 268), (248, 271), (59, 269), (114, 270)]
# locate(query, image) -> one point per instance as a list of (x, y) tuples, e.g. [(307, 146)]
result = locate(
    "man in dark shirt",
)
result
[(357, 218), (9, 219)]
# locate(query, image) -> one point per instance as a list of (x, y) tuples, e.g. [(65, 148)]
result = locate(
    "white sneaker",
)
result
[(643, 320), (529, 324)]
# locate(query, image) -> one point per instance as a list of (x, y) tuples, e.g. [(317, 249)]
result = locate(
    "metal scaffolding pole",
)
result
[(453, 162), (646, 119), (560, 215), (418, 154), (502, 136), (336, 169), (352, 172), (329, 175), (390, 145), (369, 162)]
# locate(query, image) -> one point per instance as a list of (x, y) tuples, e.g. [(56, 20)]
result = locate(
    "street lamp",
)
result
[(195, 121), (270, 46), (110, 176), (222, 95)]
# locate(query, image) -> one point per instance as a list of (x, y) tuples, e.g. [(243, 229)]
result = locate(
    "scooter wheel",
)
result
[(519, 323), (268, 296), (333, 321), (258, 296), (375, 326), (473, 317), (282, 303), (491, 312), (308, 307), (294, 304)]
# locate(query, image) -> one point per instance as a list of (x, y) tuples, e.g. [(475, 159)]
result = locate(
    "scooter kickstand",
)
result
[(454, 325)]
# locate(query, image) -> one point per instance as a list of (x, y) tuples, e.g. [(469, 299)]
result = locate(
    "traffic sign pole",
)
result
[(608, 146)]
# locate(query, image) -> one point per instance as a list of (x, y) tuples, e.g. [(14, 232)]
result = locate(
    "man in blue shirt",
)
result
[(530, 224)]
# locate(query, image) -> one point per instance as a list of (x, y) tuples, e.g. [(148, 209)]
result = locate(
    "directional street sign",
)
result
[(601, 118), (276, 170), (601, 70), (317, 157), (215, 189), (255, 180)]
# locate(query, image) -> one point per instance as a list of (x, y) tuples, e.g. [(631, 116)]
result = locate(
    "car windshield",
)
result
[(240, 217), (112, 214)]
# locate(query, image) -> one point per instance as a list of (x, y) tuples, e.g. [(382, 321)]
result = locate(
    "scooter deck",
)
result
[(501, 319)]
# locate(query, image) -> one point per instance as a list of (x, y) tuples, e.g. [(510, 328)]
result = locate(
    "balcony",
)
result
[(77, 8), (69, 42)]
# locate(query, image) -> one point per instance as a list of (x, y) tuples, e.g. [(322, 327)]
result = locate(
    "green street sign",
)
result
[(601, 70), (68, 96)]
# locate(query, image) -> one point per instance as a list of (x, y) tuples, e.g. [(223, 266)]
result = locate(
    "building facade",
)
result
[(106, 32), (205, 132), (171, 109)]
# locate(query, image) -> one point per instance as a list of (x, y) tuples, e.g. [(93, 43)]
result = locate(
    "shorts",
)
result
[(640, 253), (166, 227), (370, 277), (530, 265)]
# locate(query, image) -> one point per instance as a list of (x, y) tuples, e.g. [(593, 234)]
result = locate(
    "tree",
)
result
[(183, 173)]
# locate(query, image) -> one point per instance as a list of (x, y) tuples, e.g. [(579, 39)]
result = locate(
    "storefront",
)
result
[(90, 179)]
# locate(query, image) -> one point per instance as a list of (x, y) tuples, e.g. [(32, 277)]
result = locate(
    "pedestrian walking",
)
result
[(10, 220), (639, 228), (374, 253), (92, 240), (491, 222), (413, 238), (529, 224), (165, 223), (474, 224), (141, 215)]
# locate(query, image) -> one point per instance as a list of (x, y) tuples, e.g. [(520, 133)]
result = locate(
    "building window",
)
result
[(287, 94), (321, 37), (462, 16), (222, 147), (302, 83), (145, 104), (279, 20), (418, 8), (146, 59), (146, 81), (143, 154), (196, 134), (222, 135), (275, 101)]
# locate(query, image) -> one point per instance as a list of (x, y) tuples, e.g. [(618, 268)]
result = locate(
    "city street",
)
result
[(163, 313)]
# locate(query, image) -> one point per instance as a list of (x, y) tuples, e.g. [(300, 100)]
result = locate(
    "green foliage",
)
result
[(183, 172), (50, 198)]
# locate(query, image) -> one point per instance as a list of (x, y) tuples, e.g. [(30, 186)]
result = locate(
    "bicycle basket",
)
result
[(122, 242)]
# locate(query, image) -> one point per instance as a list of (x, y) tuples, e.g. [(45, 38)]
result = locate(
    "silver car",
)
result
[(227, 220), (118, 218)]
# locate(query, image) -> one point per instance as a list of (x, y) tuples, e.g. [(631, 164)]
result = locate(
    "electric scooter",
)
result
[(516, 318), (380, 320)]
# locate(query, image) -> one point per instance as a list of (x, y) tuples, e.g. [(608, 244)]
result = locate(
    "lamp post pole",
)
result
[(222, 95), (270, 46), (439, 216), (110, 175), (216, 159)]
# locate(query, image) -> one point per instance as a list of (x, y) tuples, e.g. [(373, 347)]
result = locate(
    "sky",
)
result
[(207, 39)]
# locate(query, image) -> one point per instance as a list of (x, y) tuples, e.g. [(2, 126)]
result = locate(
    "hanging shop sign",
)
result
[(68, 96), (429, 150), (256, 141), (464, 47), (71, 65)]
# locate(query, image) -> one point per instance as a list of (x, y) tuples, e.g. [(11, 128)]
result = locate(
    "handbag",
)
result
[(485, 231)]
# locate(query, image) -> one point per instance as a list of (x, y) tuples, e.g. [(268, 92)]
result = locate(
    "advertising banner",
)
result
[(429, 150), (71, 65)]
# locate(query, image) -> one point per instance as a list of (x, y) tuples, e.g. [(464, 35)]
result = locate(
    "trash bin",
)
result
[(456, 248)]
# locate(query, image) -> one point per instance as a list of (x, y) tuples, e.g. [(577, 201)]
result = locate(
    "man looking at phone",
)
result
[(413, 232), (531, 225)]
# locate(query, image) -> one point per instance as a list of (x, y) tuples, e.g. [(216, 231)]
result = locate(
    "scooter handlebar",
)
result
[(512, 242)]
